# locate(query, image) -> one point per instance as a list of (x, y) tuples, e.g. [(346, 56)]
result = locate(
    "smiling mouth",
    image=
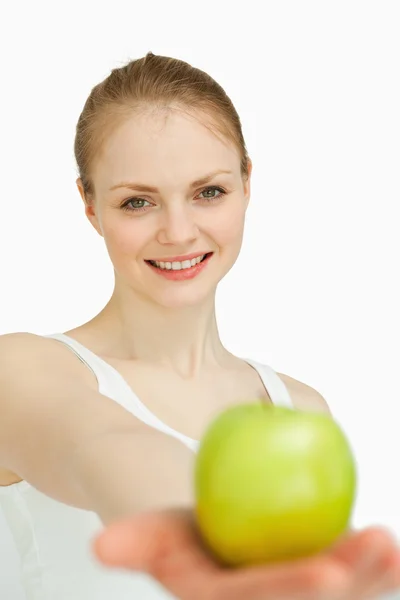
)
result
[(179, 265)]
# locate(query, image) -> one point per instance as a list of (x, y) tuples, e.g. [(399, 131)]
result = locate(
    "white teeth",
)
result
[(177, 266)]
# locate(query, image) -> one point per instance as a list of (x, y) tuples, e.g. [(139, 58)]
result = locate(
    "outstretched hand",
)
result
[(166, 545)]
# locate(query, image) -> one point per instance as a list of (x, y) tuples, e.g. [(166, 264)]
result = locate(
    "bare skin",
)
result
[(163, 337), (165, 544), (188, 404)]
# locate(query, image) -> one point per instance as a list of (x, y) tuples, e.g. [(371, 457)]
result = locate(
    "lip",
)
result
[(181, 275), (180, 258)]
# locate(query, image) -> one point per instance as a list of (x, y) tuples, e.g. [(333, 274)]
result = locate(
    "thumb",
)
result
[(141, 541)]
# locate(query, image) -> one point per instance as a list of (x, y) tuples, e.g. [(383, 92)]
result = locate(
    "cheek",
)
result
[(125, 238), (227, 225)]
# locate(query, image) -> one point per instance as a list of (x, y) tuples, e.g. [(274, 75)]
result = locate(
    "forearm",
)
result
[(121, 474)]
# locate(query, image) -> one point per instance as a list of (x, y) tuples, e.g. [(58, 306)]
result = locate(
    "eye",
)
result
[(138, 204), (213, 188)]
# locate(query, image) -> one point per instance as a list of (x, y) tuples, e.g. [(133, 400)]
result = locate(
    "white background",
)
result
[(315, 292)]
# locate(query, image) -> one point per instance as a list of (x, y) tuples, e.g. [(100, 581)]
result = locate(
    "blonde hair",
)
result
[(147, 83)]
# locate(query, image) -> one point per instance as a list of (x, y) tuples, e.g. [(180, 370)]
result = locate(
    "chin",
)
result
[(198, 291), (182, 298)]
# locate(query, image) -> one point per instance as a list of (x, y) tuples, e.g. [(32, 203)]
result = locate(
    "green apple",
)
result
[(272, 484)]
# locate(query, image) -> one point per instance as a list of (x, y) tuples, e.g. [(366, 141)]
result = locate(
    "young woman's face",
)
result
[(150, 206)]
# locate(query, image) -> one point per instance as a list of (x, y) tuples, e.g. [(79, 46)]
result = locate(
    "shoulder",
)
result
[(27, 353), (13, 345), (23, 348), (305, 397), (20, 340)]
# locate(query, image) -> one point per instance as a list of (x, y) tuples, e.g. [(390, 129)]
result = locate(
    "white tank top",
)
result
[(53, 539)]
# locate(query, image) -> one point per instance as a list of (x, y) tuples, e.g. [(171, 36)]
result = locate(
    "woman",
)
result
[(164, 175)]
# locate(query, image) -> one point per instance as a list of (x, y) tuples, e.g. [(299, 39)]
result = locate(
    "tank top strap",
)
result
[(113, 385), (274, 385)]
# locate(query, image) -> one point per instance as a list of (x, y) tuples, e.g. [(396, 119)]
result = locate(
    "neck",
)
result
[(184, 339)]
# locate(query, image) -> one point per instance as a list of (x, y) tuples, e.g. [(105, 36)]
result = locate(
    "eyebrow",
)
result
[(140, 187)]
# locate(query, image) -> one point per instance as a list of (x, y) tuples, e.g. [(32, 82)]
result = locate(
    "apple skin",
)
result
[(272, 484)]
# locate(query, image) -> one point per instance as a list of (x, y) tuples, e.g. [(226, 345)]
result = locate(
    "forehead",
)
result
[(163, 146)]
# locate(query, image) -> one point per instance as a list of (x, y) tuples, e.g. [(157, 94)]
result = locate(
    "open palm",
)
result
[(165, 544)]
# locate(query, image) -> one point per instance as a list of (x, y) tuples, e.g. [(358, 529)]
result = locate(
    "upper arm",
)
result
[(47, 411)]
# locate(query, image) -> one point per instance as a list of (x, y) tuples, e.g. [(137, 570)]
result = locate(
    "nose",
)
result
[(178, 225)]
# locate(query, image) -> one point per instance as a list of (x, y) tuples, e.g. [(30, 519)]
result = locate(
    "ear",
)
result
[(89, 207)]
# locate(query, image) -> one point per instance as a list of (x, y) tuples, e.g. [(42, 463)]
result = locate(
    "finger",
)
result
[(358, 550), (310, 579), (391, 581), (370, 578), (367, 556)]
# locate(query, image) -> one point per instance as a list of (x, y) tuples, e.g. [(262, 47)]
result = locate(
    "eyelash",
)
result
[(127, 208)]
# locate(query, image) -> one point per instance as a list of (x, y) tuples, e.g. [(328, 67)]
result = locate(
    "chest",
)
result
[(188, 406)]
